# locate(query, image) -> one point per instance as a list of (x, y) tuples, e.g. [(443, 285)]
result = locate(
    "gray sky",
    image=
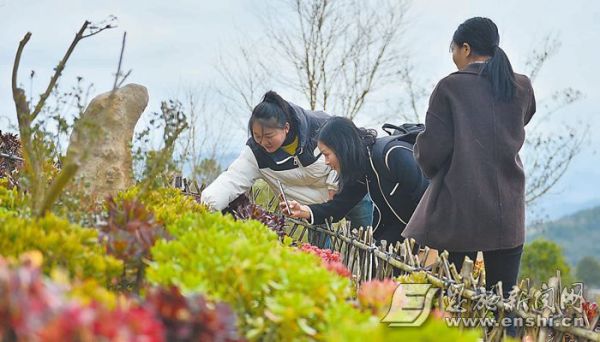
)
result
[(174, 45)]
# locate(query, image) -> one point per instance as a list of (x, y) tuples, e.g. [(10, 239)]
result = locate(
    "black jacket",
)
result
[(395, 183)]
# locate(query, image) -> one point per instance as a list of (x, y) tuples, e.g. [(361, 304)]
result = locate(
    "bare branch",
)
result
[(19, 96), (550, 46), (61, 65), (58, 70), (118, 73), (32, 137), (340, 50), (124, 78), (553, 157), (95, 32)]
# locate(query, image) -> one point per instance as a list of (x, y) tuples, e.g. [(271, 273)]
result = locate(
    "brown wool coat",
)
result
[(470, 151)]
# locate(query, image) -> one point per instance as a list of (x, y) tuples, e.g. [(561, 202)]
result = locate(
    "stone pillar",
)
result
[(101, 141)]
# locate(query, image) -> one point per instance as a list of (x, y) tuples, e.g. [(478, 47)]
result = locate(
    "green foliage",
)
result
[(352, 325), (10, 198), (167, 204), (413, 278), (282, 292), (278, 292), (588, 271), (540, 261), (63, 244)]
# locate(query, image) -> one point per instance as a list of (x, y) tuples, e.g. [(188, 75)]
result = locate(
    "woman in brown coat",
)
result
[(474, 130)]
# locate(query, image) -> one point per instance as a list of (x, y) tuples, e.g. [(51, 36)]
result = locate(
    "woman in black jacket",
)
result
[(384, 168)]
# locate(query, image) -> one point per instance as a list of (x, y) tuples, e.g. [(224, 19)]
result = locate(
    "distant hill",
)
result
[(578, 234)]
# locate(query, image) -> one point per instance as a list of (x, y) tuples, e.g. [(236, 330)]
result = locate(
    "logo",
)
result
[(411, 305)]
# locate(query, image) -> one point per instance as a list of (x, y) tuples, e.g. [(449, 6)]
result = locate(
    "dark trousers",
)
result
[(500, 265)]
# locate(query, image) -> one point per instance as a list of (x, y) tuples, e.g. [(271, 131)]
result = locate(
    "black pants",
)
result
[(500, 265)]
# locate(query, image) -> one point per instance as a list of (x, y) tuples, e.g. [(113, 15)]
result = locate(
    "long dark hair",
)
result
[(273, 112), (349, 143), (482, 35)]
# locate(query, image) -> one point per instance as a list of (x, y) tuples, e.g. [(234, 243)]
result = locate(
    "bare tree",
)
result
[(549, 150), (203, 146), (246, 76), (411, 95), (334, 53)]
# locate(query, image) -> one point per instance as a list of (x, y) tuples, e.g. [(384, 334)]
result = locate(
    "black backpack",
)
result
[(406, 132), (404, 135)]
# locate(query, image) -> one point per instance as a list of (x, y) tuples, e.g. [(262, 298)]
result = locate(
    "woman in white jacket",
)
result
[(283, 147)]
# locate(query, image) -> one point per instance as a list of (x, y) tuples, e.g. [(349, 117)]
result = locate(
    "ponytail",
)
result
[(500, 73), (482, 36), (272, 112)]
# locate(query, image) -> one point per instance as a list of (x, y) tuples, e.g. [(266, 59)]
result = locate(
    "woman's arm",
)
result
[(238, 178), (335, 208), (434, 145)]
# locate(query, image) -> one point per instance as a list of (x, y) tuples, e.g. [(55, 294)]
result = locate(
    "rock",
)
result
[(101, 141)]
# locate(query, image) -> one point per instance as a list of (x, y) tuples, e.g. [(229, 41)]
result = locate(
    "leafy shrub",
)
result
[(63, 244), (540, 261), (167, 204), (129, 233), (39, 309), (194, 318), (349, 324), (10, 198), (130, 322), (277, 292)]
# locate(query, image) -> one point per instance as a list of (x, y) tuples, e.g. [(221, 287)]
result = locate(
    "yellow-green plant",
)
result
[(167, 204), (11, 199), (278, 292), (66, 245)]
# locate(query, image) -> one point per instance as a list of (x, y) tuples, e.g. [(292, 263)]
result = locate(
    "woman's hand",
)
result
[(297, 210)]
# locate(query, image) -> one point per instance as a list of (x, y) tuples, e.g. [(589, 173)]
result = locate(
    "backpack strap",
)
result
[(392, 129), (381, 149), (377, 159)]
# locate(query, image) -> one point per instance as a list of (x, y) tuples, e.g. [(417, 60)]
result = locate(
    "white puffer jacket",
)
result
[(309, 185), (304, 176)]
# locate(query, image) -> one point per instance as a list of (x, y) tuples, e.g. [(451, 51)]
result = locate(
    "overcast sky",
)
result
[(175, 45)]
